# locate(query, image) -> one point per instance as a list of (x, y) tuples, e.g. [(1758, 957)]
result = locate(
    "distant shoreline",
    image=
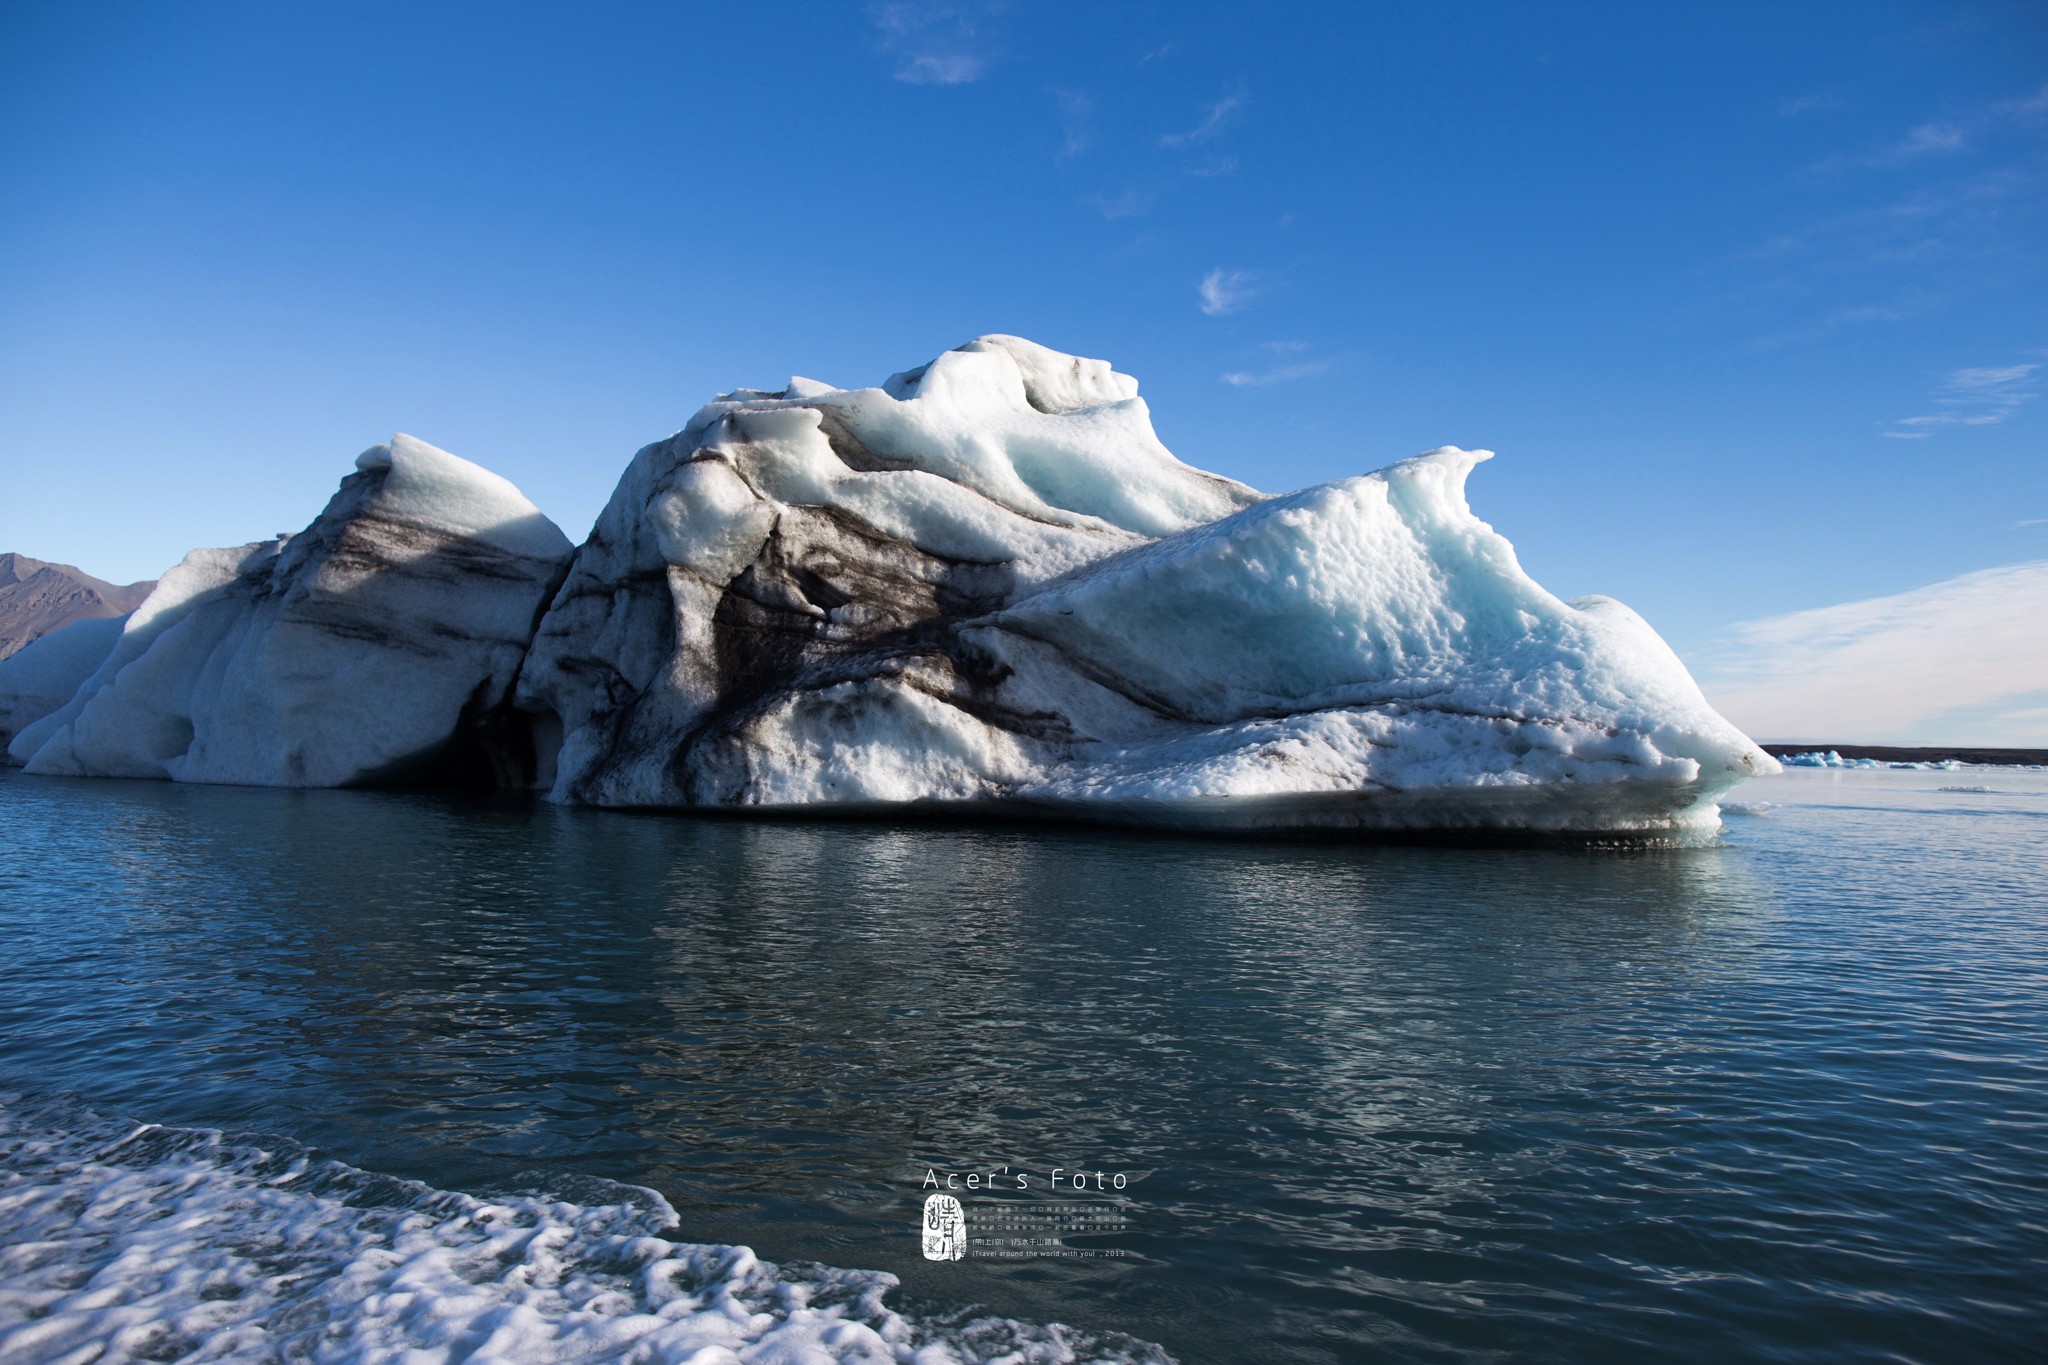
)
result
[(2016, 758)]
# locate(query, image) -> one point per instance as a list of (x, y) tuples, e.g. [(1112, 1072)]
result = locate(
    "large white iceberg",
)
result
[(359, 650), (987, 584), (984, 585)]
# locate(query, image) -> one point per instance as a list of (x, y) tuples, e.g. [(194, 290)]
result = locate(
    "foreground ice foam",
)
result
[(983, 585), (986, 582), (124, 1243)]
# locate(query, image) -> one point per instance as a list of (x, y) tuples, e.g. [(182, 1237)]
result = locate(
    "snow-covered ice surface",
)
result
[(987, 583), (341, 654), (123, 1242), (41, 676)]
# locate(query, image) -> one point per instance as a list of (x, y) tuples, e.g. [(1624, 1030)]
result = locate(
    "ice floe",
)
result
[(1829, 758)]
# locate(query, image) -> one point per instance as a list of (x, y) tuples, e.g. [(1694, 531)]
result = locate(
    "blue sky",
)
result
[(1750, 299)]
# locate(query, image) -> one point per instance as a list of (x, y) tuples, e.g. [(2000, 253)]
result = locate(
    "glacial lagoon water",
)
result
[(1784, 1098)]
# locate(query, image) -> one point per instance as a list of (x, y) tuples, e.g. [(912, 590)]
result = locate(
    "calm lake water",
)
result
[(1785, 1098)]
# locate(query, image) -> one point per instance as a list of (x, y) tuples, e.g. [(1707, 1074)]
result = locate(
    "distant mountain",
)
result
[(37, 598)]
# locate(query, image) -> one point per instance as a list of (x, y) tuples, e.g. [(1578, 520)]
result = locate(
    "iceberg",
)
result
[(375, 646), (987, 586), (983, 586)]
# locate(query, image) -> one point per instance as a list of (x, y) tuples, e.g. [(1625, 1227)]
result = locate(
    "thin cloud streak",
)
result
[(1891, 668), (1928, 137), (934, 42), (1213, 123), (1808, 104), (940, 68), (1936, 137), (1076, 109), (1226, 291), (1905, 257), (2027, 106), (1128, 203), (1279, 374), (1834, 321), (1982, 396)]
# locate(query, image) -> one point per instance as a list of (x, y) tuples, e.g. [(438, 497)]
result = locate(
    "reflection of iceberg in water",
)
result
[(1293, 1050), (1447, 1062)]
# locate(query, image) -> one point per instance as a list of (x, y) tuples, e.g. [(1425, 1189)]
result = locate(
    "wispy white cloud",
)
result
[(1950, 663), (1808, 104), (1126, 203), (1076, 111), (1920, 141), (1282, 370), (2026, 106), (1936, 137), (2031, 521), (1213, 122), (1861, 315), (1927, 139), (1226, 291), (940, 68), (1900, 258), (1890, 230), (1982, 396), (935, 43), (1277, 374), (1222, 165)]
